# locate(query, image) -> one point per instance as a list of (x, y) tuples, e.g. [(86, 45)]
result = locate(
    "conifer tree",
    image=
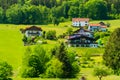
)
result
[(112, 51)]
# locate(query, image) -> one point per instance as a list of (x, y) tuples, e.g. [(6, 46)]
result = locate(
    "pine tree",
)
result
[(112, 51)]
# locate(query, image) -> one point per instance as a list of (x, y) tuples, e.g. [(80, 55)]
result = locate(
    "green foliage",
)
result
[(34, 62), (25, 39), (70, 65), (96, 9), (73, 12), (101, 71), (86, 56), (14, 14), (112, 51), (27, 14), (54, 68), (1, 15), (69, 31), (45, 11), (55, 21), (29, 72), (5, 71), (51, 35)]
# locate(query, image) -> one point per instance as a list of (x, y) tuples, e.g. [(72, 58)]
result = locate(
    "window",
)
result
[(77, 45)]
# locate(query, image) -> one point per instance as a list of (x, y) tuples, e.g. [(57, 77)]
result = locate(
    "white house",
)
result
[(80, 22), (97, 27), (32, 31)]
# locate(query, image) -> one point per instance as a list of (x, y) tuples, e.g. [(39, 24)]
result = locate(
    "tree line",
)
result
[(55, 11)]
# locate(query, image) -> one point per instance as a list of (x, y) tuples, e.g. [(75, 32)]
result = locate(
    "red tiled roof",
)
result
[(80, 19), (93, 25), (103, 26)]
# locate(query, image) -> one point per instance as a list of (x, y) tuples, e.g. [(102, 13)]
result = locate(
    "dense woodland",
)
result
[(55, 11)]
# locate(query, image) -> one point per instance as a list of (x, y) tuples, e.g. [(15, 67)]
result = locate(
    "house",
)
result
[(78, 40), (80, 22), (97, 27), (83, 31), (32, 31), (82, 38)]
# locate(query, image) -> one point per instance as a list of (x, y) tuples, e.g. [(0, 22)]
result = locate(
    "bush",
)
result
[(29, 72), (34, 62), (62, 19), (5, 71), (101, 71), (51, 35), (54, 68), (69, 31)]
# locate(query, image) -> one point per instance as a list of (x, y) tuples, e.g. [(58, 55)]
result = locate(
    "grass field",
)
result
[(12, 48)]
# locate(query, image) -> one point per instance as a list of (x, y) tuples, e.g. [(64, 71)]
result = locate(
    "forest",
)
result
[(55, 11)]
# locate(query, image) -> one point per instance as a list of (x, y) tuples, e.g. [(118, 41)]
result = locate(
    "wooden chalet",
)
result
[(82, 38), (32, 31)]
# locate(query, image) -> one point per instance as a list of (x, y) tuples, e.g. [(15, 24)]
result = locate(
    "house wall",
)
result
[(103, 29), (80, 23), (85, 33), (96, 28), (81, 43), (32, 31), (93, 28), (94, 45)]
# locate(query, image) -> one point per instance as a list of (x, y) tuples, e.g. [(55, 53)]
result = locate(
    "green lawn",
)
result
[(12, 48)]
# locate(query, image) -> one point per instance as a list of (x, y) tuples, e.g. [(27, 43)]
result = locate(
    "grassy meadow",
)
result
[(12, 47)]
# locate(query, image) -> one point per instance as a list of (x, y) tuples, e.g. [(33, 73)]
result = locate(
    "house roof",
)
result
[(85, 30), (76, 36), (33, 28), (94, 25), (80, 19), (103, 26)]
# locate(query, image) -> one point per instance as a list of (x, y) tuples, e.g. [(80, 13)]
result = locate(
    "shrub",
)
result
[(101, 71), (51, 35), (5, 71), (54, 68)]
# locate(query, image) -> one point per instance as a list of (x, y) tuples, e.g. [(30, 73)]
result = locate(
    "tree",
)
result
[(82, 10), (73, 12), (96, 9), (1, 15), (113, 10), (14, 14), (34, 62), (101, 71), (111, 55), (51, 35), (70, 65), (54, 68), (5, 71), (55, 21)]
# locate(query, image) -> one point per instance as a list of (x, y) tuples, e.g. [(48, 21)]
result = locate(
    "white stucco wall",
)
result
[(103, 29), (27, 35), (91, 28), (81, 23)]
